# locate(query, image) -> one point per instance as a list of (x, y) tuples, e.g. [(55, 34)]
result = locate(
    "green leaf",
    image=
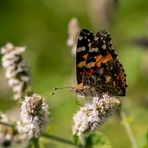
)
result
[(144, 141)]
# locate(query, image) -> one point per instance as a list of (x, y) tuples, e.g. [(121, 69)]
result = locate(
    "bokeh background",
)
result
[(41, 26)]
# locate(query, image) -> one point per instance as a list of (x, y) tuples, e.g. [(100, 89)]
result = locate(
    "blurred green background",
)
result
[(41, 26)]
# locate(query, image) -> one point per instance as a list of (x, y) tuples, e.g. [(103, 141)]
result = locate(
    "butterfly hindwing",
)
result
[(118, 78)]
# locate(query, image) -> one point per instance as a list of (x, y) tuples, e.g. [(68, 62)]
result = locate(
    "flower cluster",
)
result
[(16, 70), (34, 116), (73, 32), (93, 114)]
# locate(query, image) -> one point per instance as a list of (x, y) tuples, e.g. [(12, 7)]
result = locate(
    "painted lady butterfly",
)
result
[(97, 67)]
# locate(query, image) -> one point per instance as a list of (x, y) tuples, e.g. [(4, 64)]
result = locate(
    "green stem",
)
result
[(128, 129), (35, 142), (58, 139)]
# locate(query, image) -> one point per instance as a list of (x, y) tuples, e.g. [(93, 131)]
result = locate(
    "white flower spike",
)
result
[(16, 70), (34, 116), (94, 114)]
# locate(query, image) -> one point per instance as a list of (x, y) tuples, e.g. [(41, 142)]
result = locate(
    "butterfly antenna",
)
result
[(59, 88)]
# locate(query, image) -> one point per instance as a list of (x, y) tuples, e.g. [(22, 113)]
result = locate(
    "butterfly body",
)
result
[(98, 68)]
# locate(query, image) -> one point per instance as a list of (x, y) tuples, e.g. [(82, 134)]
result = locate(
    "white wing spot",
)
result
[(96, 38), (104, 46), (83, 48), (93, 49), (79, 49), (80, 37), (89, 45)]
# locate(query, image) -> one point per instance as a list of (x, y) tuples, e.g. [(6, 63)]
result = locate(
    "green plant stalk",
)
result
[(35, 142), (59, 139), (128, 129)]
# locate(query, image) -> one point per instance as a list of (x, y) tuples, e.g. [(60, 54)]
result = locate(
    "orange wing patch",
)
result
[(103, 59)]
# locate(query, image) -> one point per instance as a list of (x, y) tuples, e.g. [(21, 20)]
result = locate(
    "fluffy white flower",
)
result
[(93, 114), (33, 117), (16, 70)]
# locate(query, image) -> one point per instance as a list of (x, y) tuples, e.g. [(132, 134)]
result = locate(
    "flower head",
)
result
[(34, 116), (16, 70), (94, 114)]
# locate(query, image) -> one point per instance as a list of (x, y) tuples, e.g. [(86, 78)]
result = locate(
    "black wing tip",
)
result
[(85, 31), (103, 31)]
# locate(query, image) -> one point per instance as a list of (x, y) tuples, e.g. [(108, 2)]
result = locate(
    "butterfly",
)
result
[(98, 69)]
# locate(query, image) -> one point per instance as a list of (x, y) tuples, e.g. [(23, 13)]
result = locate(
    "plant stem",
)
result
[(128, 129), (35, 142), (59, 139), (7, 124)]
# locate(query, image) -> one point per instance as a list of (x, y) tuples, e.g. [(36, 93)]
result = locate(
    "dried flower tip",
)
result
[(101, 12), (94, 114), (16, 70), (73, 32), (34, 116)]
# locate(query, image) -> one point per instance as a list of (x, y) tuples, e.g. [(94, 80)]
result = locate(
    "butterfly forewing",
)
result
[(99, 52), (84, 40)]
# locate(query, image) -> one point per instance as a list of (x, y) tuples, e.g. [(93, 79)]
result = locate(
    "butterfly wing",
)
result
[(111, 78), (104, 72), (118, 78), (84, 39)]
